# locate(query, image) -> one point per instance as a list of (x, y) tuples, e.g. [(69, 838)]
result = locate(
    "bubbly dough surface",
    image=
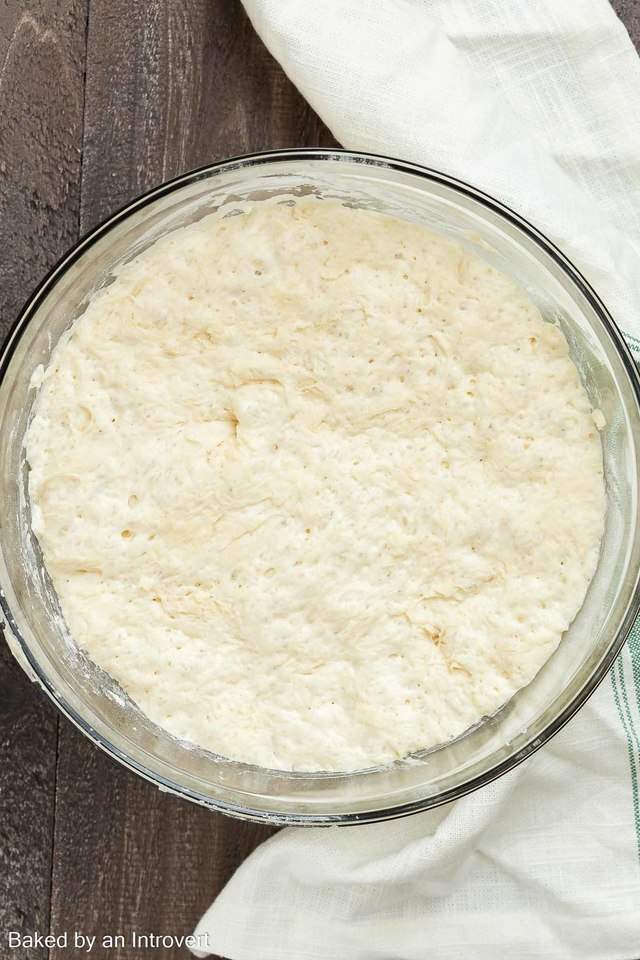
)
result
[(317, 487)]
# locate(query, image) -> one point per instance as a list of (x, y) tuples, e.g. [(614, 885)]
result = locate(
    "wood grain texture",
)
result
[(629, 13), (170, 86), (129, 858), (28, 730), (175, 84), (40, 141), (42, 48)]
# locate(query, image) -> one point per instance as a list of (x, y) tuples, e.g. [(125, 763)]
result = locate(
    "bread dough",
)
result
[(317, 487)]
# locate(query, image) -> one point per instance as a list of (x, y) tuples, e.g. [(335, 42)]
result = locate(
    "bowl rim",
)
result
[(264, 158)]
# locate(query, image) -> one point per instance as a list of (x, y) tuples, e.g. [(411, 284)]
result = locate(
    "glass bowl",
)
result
[(98, 706)]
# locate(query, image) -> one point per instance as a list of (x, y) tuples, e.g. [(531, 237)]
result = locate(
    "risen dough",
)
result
[(317, 487)]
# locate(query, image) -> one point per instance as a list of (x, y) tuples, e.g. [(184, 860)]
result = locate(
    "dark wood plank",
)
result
[(129, 858), (629, 13), (28, 731), (171, 85), (42, 49), (40, 140)]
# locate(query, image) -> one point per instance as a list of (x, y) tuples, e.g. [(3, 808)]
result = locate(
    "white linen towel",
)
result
[(536, 102)]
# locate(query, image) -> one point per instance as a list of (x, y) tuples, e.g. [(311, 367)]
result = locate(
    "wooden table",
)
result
[(100, 100)]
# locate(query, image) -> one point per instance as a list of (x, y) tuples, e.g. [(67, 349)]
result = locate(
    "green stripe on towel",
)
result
[(631, 734), (633, 643)]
